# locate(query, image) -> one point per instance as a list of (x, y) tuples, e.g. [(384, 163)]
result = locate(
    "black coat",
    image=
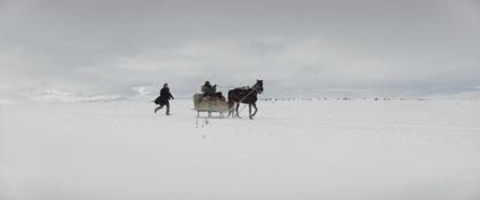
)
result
[(165, 95)]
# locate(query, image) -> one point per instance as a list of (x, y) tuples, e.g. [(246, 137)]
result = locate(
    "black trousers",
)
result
[(166, 103)]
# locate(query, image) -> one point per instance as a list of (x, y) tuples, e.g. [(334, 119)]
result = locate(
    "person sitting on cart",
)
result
[(209, 90)]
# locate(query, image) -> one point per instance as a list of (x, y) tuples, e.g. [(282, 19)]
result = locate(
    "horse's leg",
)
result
[(231, 112), (230, 108), (250, 111), (255, 107), (236, 110)]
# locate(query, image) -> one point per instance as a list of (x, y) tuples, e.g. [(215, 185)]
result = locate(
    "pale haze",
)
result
[(127, 47), (362, 100)]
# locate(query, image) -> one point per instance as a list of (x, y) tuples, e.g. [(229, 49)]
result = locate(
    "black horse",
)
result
[(246, 95)]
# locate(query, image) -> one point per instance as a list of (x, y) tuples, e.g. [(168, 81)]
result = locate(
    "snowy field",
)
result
[(293, 150)]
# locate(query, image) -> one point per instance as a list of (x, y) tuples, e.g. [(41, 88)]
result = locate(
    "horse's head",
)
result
[(258, 86)]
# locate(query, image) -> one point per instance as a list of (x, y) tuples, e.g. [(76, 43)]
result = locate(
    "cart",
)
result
[(210, 104)]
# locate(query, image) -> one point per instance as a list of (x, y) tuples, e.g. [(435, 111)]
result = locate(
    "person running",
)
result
[(163, 99)]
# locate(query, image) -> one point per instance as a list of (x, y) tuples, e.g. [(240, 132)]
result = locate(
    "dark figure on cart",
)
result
[(208, 89)]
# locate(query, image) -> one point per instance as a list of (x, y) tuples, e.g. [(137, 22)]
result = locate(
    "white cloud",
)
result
[(142, 90)]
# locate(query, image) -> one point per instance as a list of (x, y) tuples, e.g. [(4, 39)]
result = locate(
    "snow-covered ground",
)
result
[(361, 149)]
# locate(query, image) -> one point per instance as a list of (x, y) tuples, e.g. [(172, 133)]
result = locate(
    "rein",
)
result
[(253, 90)]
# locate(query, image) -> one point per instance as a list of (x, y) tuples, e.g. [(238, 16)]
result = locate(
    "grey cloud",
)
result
[(113, 46)]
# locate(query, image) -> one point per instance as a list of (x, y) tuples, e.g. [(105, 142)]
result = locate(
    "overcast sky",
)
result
[(114, 46)]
